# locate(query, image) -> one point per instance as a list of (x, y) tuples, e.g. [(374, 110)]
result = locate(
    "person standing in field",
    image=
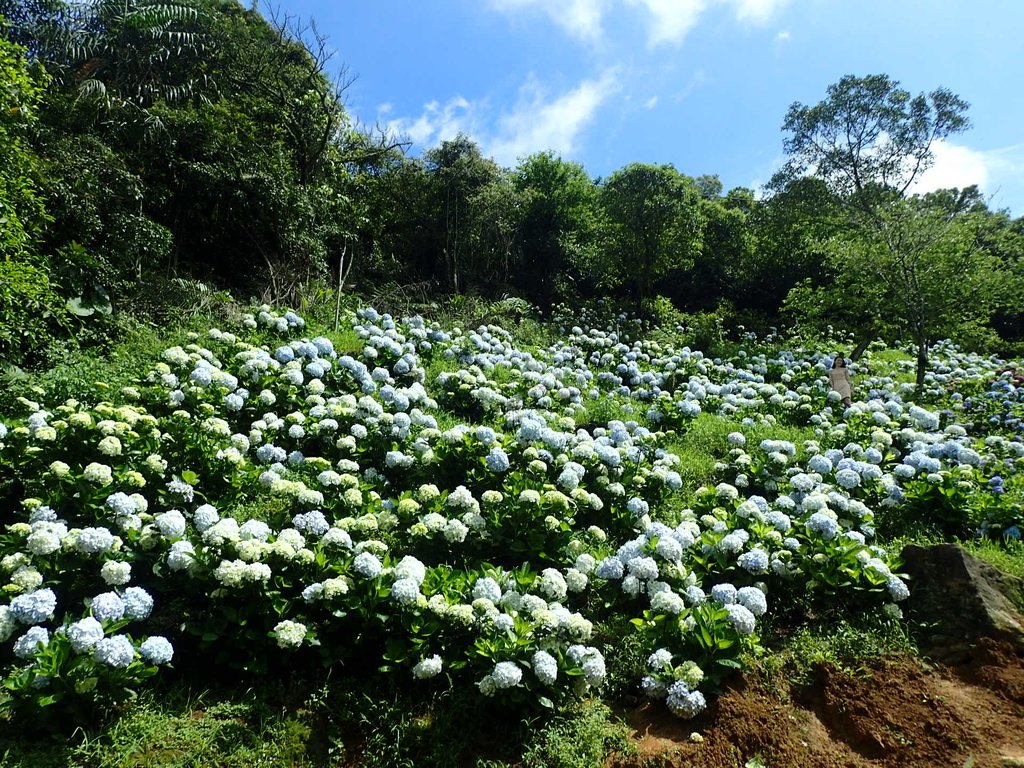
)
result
[(839, 380)]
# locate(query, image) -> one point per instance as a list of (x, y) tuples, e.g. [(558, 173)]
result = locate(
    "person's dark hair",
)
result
[(836, 359)]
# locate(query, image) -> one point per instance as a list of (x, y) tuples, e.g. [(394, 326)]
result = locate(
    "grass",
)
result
[(178, 730), (849, 644), (705, 442), (1006, 555)]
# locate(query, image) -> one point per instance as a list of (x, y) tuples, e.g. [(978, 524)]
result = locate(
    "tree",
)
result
[(869, 136), (120, 56), (459, 173), (560, 227), (656, 223), (923, 271)]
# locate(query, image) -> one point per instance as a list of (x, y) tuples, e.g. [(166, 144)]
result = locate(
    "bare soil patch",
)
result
[(900, 712)]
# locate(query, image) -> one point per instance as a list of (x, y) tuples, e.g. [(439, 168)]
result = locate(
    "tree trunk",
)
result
[(862, 345), (922, 362)]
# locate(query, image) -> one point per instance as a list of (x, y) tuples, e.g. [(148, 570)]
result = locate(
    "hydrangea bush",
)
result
[(434, 503)]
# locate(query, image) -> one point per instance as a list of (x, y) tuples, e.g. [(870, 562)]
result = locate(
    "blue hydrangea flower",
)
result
[(609, 568), (94, 540), (753, 599), (138, 603), (107, 606), (741, 618), (84, 634), (897, 588), (405, 591), (427, 668), (497, 460), (157, 650), (311, 522), (26, 646), (116, 651), (823, 525), (847, 478), (683, 702), (506, 674), (724, 593), (35, 607), (367, 565), (545, 667), (755, 561), (486, 588)]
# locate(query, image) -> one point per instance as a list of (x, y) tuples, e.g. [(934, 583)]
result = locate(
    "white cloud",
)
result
[(757, 11), (384, 109), (651, 103), (783, 36), (955, 166), (537, 123), (439, 122), (580, 18), (997, 172), (670, 20)]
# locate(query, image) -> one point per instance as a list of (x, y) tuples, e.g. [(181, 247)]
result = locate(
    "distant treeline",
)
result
[(145, 141)]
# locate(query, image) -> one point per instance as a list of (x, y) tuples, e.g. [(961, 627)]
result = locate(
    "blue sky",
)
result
[(701, 84)]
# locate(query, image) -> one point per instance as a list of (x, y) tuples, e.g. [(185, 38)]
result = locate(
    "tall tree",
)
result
[(561, 225), (656, 223), (922, 270), (459, 173), (869, 136)]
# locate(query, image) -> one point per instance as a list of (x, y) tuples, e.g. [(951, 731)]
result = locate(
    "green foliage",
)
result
[(31, 310), (582, 738), (182, 730), (656, 224), (869, 134), (1005, 554), (21, 209), (849, 644)]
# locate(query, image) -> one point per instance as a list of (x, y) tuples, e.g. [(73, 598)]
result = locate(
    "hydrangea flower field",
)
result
[(444, 505)]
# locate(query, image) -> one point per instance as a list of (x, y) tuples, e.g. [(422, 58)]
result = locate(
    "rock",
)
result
[(955, 598)]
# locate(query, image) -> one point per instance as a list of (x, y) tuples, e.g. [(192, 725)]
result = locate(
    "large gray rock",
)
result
[(955, 598)]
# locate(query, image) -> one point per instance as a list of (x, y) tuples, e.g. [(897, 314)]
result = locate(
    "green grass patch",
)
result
[(850, 643), (1007, 555)]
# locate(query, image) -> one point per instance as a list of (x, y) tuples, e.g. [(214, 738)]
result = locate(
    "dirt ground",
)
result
[(898, 713)]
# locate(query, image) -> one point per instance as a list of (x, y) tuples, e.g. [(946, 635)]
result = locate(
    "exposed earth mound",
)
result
[(898, 713)]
